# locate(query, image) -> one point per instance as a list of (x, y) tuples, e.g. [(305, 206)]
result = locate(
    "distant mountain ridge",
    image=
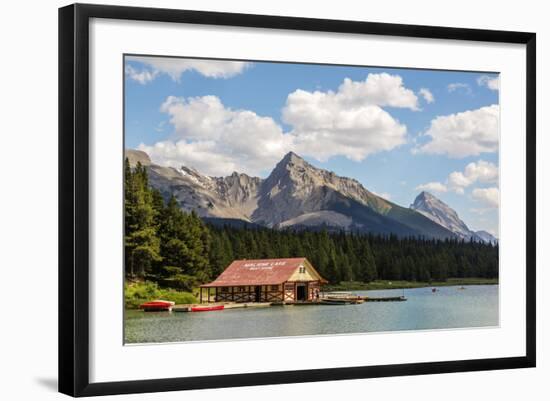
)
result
[(296, 195), (438, 211)]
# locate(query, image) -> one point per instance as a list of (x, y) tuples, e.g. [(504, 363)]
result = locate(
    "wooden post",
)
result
[(200, 294)]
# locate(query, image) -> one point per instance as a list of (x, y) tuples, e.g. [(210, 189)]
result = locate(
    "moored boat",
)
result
[(384, 299), (341, 298), (206, 308), (327, 301), (157, 306), (339, 295)]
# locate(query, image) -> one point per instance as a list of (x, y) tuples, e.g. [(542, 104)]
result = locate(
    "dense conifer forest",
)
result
[(178, 250)]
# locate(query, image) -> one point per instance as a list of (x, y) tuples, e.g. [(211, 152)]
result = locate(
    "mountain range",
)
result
[(299, 195)]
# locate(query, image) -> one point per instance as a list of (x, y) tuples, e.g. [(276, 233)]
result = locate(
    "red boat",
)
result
[(206, 308), (157, 306)]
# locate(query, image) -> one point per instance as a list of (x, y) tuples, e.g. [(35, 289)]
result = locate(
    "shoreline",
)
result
[(132, 304), (402, 284)]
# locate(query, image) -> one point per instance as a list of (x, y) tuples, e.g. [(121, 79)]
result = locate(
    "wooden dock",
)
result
[(226, 305), (248, 305), (384, 299), (322, 301), (295, 303)]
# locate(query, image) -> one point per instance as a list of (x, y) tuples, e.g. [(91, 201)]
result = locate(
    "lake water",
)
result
[(450, 307)]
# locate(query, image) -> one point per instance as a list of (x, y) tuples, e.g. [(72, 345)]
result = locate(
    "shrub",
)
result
[(179, 297), (137, 293), (181, 282)]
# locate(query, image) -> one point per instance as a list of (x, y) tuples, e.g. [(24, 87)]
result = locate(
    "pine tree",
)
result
[(142, 246), (185, 246), (332, 269), (368, 264)]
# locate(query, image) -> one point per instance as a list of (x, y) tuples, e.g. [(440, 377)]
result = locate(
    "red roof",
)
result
[(257, 272)]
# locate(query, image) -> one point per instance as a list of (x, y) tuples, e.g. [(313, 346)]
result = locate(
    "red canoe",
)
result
[(206, 308), (157, 306)]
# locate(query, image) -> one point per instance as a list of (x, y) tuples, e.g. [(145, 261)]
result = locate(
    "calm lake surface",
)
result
[(450, 307)]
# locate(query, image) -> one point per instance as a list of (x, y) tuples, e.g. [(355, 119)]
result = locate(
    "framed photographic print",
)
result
[(249, 199)]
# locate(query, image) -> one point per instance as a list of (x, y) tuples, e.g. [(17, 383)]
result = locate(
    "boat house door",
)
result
[(257, 293), (301, 293)]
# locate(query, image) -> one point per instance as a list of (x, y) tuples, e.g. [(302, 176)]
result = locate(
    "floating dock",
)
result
[(229, 305), (322, 301), (385, 299), (295, 303)]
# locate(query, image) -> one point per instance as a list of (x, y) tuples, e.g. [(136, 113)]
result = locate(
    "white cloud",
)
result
[(457, 181), (175, 67), (351, 121), (488, 196), (455, 86), (432, 187), (427, 95), (218, 140), (143, 76), (378, 89), (489, 82), (469, 133), (480, 171)]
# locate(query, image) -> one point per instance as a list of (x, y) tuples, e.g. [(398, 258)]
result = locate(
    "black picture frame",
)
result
[(74, 198)]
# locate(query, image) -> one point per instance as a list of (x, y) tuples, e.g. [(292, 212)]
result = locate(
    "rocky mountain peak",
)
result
[(291, 161), (425, 196), (241, 179), (295, 187), (437, 210), (134, 156), (190, 170), (292, 158)]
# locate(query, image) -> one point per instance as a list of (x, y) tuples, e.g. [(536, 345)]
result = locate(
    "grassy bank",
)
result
[(137, 293), (398, 284)]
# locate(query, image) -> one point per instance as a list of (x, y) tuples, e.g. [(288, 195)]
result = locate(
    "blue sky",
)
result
[(397, 131)]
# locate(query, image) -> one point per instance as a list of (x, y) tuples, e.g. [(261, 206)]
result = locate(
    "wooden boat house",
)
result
[(265, 280)]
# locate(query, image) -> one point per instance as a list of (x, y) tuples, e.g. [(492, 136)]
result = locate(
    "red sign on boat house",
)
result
[(265, 280)]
